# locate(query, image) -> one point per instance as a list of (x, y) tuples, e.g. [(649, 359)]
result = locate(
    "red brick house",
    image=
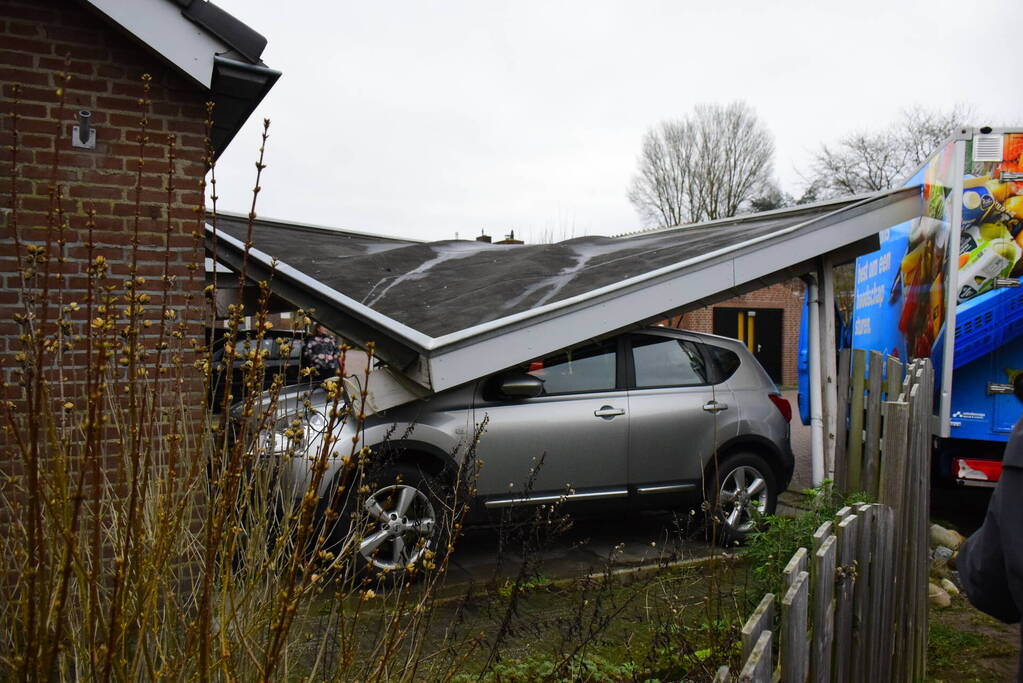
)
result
[(103, 131), (74, 96)]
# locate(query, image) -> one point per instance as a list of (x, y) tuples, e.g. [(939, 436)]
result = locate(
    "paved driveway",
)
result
[(800, 445)]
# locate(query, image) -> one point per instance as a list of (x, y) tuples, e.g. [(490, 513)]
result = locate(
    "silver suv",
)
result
[(634, 420)]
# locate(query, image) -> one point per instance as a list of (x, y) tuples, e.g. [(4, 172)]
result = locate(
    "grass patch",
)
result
[(669, 624), (964, 644)]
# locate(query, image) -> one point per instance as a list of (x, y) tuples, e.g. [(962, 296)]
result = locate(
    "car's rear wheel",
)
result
[(741, 490)]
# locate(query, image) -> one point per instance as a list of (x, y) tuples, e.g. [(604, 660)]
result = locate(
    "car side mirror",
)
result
[(520, 385)]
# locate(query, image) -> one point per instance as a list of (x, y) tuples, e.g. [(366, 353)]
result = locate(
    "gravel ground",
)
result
[(800, 444)]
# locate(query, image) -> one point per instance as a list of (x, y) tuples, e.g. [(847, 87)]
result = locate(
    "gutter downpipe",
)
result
[(816, 389)]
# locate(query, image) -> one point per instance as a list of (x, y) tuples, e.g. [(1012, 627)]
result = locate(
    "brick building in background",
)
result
[(194, 53), (766, 319)]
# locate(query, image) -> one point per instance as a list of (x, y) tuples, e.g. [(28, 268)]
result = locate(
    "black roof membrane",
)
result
[(439, 288)]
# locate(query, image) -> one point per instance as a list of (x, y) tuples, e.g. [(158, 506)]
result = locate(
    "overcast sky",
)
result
[(431, 119)]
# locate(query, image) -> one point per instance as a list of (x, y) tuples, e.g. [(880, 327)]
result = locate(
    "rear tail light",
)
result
[(972, 469), (783, 406)]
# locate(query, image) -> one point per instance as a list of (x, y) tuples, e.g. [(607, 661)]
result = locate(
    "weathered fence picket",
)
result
[(760, 621), (921, 472), (854, 450), (845, 582), (841, 463), (758, 668), (823, 625), (882, 605), (798, 563), (861, 595), (872, 445), (893, 469), (794, 654)]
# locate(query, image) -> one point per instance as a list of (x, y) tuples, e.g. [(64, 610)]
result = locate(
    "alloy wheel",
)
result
[(402, 522), (743, 497)]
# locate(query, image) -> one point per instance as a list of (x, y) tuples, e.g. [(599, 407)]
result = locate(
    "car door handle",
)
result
[(608, 411), (714, 406)]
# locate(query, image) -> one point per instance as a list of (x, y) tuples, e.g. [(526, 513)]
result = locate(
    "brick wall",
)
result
[(787, 296), (104, 76)]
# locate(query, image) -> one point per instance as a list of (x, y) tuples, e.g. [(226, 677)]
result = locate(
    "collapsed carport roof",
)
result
[(445, 313)]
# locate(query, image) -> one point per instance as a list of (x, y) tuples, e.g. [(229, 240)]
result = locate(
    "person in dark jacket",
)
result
[(990, 563), (320, 354)]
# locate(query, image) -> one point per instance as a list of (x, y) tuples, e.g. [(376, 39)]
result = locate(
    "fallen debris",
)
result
[(938, 596)]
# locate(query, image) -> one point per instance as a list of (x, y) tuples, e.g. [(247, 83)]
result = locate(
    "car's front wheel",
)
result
[(401, 522), (741, 490)]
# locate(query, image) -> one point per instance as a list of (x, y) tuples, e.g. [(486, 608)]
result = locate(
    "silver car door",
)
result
[(571, 439), (677, 417)]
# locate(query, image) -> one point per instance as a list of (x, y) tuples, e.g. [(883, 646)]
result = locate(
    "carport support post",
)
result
[(816, 394), (829, 363)]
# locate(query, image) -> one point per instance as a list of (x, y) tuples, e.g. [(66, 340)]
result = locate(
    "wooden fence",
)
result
[(854, 606)]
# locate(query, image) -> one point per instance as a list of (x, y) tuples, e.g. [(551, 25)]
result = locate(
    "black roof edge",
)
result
[(237, 89), (794, 210), (241, 37)]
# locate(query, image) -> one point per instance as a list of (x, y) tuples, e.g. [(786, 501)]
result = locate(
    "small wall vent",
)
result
[(987, 147)]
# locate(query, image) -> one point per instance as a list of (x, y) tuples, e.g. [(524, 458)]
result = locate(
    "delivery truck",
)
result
[(946, 285)]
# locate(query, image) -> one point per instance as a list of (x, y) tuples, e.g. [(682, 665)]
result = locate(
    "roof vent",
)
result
[(987, 147)]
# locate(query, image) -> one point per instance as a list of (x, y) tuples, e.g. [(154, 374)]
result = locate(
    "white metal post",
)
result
[(829, 362), (816, 395), (955, 218)]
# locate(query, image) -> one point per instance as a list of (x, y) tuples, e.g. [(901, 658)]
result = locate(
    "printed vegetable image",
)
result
[(922, 279), (991, 238)]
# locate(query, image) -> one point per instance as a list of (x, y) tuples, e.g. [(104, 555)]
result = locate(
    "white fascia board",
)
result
[(849, 226), (212, 266), (837, 202), (504, 342), (160, 25)]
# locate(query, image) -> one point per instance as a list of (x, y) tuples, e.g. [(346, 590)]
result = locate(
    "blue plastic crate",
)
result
[(986, 323)]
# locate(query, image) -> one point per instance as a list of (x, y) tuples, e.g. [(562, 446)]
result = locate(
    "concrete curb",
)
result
[(635, 570)]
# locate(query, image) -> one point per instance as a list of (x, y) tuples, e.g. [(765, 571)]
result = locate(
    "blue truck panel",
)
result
[(986, 323), (978, 414)]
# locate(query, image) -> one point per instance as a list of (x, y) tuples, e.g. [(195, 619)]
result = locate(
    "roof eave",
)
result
[(195, 37), (237, 89), (438, 363)]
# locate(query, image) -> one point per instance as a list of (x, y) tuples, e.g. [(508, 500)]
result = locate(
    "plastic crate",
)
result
[(986, 322)]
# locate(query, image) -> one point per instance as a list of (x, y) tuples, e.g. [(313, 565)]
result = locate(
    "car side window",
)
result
[(588, 368), (667, 362), (727, 362)]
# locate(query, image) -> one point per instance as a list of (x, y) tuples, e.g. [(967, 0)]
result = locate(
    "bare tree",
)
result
[(659, 190), (710, 164), (868, 161)]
